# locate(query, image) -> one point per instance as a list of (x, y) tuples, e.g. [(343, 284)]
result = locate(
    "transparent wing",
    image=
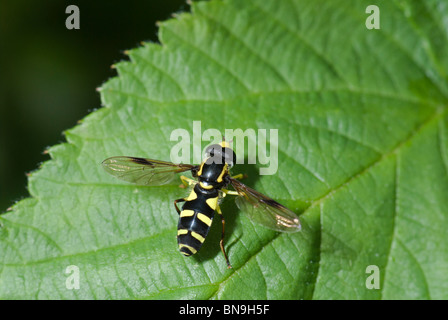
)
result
[(143, 171), (265, 211)]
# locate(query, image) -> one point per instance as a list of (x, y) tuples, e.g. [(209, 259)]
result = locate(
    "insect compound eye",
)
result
[(212, 149), (214, 154), (229, 156), (217, 154)]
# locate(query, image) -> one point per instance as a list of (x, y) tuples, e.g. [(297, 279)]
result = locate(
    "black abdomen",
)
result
[(195, 219)]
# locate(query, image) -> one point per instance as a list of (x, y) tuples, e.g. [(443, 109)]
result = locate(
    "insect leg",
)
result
[(187, 181), (221, 243), (175, 204), (239, 176), (232, 193)]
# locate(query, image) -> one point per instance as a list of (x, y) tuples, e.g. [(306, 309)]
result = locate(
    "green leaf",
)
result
[(363, 140)]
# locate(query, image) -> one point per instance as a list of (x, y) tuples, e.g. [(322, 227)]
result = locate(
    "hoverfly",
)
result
[(209, 188)]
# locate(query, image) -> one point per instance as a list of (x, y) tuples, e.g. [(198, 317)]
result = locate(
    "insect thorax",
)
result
[(213, 175)]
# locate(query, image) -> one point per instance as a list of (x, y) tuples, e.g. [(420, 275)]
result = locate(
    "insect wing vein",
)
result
[(143, 171), (264, 210)]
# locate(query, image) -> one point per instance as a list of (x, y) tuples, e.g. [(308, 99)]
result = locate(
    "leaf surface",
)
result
[(363, 139)]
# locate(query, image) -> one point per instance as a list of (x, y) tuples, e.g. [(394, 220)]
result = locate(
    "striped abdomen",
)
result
[(195, 219)]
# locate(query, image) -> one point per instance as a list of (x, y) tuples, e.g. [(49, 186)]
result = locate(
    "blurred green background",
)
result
[(48, 74)]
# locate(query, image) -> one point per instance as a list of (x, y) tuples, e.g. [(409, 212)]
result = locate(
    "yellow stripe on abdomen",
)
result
[(192, 250), (186, 213), (192, 196), (204, 219), (197, 236), (212, 203)]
